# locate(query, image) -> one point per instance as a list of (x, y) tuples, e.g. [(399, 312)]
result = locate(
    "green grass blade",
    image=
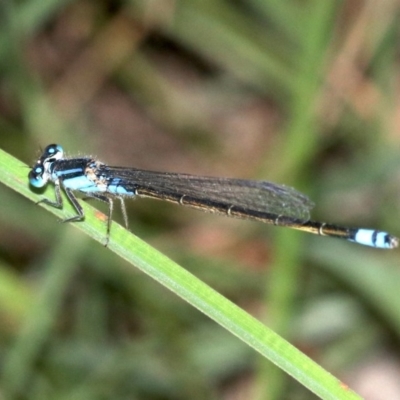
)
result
[(251, 331)]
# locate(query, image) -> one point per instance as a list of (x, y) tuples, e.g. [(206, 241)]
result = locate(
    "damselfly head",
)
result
[(40, 174)]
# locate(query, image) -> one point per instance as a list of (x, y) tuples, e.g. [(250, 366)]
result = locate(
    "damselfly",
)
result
[(256, 200)]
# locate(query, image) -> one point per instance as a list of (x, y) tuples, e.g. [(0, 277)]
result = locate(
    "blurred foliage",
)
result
[(303, 93)]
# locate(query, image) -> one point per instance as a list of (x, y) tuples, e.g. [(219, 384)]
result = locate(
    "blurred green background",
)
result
[(301, 93)]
